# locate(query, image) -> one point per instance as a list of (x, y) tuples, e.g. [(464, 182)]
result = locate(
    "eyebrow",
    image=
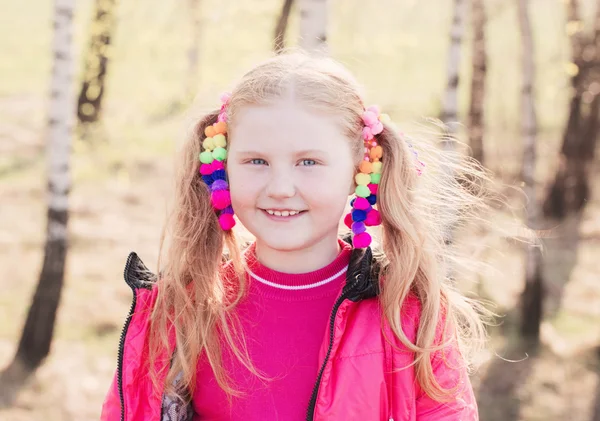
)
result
[(302, 152)]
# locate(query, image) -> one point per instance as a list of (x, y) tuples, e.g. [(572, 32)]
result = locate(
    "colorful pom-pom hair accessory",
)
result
[(363, 213), (212, 166)]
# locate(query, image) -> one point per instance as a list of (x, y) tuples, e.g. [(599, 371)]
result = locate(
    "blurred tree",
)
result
[(280, 29), (476, 110), (449, 112), (570, 188), (313, 26), (194, 48), (36, 337), (532, 297), (89, 103)]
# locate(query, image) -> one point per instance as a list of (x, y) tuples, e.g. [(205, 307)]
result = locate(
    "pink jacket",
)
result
[(361, 377)]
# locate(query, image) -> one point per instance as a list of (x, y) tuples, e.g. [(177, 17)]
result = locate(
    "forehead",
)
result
[(285, 125)]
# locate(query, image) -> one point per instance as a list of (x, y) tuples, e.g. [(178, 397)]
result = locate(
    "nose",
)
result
[(280, 185)]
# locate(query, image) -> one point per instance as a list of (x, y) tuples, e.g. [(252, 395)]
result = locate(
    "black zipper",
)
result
[(313, 400), (123, 334)]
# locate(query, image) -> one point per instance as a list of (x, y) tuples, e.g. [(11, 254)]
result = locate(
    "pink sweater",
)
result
[(284, 320)]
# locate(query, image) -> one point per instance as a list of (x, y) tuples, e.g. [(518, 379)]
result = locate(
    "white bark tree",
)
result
[(449, 114), (313, 26), (37, 334)]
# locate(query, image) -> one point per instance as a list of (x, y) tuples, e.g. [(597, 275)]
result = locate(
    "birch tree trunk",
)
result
[(449, 114), (280, 29), (89, 103), (36, 337), (532, 297), (570, 189), (476, 110), (313, 26)]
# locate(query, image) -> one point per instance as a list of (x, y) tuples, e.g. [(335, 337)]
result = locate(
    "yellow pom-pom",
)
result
[(384, 118), (376, 167), (220, 141), (208, 144), (362, 179)]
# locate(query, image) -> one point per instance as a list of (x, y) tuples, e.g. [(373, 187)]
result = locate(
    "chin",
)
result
[(284, 241)]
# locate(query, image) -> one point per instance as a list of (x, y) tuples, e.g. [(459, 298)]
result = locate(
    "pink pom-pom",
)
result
[(377, 128), (222, 117), (348, 220), (226, 221), (367, 134), (217, 165), (206, 169), (225, 97), (369, 118), (373, 218), (373, 188), (361, 203), (374, 109), (362, 240), (221, 199)]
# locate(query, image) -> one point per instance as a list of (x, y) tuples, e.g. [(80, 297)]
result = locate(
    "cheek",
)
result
[(242, 187)]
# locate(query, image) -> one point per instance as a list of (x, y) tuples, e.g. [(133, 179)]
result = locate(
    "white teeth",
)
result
[(282, 213)]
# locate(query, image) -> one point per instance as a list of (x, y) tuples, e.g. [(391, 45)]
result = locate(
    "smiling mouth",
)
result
[(283, 213)]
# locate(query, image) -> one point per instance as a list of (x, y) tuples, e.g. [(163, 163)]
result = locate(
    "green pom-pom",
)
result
[(362, 191), (219, 154), (206, 157), (376, 167), (375, 178)]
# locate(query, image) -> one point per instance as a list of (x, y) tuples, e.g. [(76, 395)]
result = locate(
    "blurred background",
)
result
[(95, 96)]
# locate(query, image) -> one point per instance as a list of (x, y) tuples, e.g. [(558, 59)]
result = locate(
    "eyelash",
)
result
[(253, 161)]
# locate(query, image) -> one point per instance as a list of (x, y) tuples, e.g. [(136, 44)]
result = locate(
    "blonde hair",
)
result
[(194, 297)]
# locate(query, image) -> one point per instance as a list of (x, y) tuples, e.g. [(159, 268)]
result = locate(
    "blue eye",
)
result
[(257, 161), (308, 162)]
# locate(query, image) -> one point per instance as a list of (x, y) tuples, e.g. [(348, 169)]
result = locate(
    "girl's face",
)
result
[(290, 173)]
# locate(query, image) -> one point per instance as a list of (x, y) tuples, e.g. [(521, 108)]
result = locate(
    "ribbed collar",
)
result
[(298, 285)]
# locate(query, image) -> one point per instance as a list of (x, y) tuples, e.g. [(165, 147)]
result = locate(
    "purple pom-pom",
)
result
[(358, 227), (219, 185), (228, 209)]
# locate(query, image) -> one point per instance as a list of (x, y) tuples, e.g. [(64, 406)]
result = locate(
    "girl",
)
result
[(300, 324)]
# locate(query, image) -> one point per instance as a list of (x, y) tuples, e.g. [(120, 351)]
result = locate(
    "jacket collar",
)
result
[(363, 268)]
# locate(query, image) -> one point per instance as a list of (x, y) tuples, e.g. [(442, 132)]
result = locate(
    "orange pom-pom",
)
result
[(365, 167), (376, 152), (220, 127), (210, 131)]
